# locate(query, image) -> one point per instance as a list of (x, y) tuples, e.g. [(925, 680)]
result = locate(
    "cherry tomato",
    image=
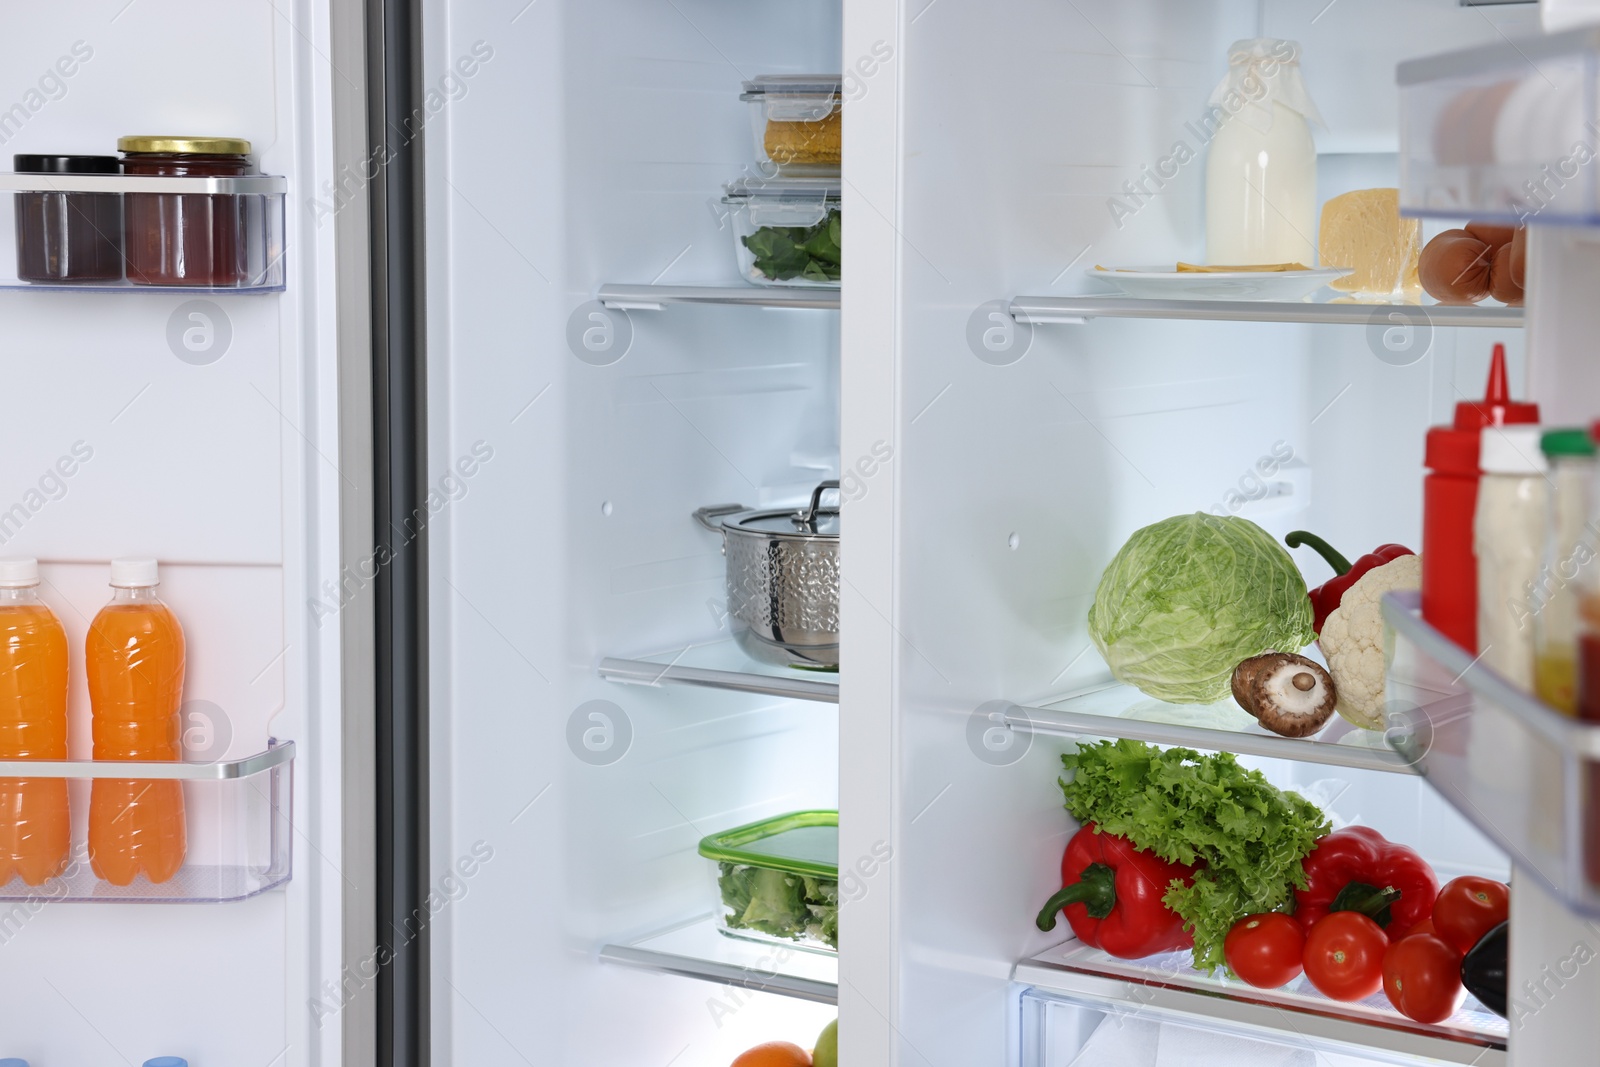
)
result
[(1468, 908), (1265, 950), (1344, 956), (1422, 977)]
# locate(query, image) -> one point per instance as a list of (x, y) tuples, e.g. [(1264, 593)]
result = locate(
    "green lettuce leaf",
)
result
[(1191, 808)]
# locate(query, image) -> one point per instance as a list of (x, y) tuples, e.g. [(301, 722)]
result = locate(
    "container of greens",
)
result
[(777, 880), (786, 230)]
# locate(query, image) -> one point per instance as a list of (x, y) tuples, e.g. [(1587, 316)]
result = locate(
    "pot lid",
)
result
[(812, 520)]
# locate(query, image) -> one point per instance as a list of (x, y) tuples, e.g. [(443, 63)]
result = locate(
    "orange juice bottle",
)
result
[(35, 831), (134, 659)]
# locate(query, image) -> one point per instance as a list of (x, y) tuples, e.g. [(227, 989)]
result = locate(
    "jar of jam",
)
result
[(196, 239), (68, 237)]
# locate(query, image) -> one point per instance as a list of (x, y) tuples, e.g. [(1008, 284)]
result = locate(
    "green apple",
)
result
[(826, 1054)]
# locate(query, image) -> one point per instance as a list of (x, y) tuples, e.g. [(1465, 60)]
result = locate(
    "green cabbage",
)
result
[(1188, 598)]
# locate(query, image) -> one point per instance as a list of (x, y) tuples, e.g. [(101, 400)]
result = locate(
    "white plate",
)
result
[(1153, 283)]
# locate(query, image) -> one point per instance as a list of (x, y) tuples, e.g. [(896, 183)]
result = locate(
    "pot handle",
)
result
[(709, 515), (808, 516)]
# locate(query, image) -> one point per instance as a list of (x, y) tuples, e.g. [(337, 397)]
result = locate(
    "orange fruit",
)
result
[(774, 1054)]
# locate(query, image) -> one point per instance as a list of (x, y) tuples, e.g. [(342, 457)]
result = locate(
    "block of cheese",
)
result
[(1363, 230)]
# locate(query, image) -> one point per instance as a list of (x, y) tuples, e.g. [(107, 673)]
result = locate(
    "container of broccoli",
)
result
[(778, 880), (786, 230)]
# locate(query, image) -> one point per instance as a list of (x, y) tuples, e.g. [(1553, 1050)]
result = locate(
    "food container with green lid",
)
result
[(777, 880)]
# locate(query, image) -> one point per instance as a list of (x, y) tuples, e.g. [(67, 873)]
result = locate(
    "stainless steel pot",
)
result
[(783, 579)]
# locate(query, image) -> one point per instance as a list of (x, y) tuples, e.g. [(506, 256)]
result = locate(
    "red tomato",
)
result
[(1422, 977), (1344, 956), (1423, 927), (1265, 950), (1468, 908)]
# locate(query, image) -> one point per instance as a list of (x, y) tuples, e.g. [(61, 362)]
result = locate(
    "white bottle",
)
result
[(1261, 170), (1508, 535)]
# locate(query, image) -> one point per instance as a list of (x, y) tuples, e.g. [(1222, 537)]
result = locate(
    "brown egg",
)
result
[(1502, 281), (1455, 268), (1519, 258), (1492, 234)]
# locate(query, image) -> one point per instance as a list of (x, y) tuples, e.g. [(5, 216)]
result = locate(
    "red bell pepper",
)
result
[(1325, 597), (1356, 869), (1111, 894)]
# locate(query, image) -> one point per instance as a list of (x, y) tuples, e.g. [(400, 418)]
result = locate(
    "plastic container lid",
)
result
[(802, 842), (17, 574), (817, 189), (1511, 450), (133, 573), (1570, 441), (37, 164), (794, 85)]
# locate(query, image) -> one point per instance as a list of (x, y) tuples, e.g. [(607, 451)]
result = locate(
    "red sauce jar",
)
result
[(195, 239)]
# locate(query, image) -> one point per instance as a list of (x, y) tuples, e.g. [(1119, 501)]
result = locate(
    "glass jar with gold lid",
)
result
[(191, 239)]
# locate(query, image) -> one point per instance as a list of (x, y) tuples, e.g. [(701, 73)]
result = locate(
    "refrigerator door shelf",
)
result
[(1167, 988), (1524, 774), (697, 949), (1121, 711), (245, 231), (1503, 132), (239, 816)]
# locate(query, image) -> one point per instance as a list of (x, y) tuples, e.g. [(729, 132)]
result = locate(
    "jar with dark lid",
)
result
[(68, 237), (196, 239)]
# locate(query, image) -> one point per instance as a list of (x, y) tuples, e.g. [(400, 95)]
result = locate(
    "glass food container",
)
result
[(191, 239), (786, 230), (68, 237), (777, 880), (796, 120)]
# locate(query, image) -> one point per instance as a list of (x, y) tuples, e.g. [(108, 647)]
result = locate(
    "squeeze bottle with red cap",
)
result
[(1449, 501)]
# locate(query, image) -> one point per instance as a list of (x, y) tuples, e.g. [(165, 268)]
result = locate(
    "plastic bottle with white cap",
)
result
[(35, 825), (134, 657), (1508, 536)]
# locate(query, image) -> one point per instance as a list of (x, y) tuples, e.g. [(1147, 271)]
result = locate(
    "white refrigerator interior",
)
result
[(1009, 151), (199, 430)]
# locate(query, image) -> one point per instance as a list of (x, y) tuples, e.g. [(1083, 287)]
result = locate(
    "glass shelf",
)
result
[(1120, 711), (1503, 132), (1524, 774), (1166, 986), (238, 817), (723, 665), (655, 297), (1076, 310), (697, 950), (250, 222)]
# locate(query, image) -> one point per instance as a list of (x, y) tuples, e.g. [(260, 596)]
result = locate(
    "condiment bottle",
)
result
[(1552, 600), (1450, 500), (1508, 538), (1589, 683), (1261, 170), (193, 239)]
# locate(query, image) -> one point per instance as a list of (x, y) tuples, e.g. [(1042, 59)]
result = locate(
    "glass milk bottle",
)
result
[(1261, 170)]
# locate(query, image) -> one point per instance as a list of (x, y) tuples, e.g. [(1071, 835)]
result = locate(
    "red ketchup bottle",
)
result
[(1449, 499)]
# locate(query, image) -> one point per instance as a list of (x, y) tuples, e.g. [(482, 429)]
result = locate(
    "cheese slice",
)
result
[(1254, 268), (1363, 230)]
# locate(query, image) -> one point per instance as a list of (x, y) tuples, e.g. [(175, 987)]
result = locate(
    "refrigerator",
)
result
[(467, 685)]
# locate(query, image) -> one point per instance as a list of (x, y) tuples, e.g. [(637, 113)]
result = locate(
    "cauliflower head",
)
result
[(1352, 640)]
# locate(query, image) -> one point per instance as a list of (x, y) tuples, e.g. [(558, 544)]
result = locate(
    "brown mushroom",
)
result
[(1288, 694)]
